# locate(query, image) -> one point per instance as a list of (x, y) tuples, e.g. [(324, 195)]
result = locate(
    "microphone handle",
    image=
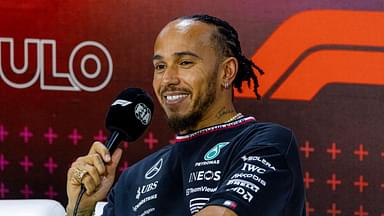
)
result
[(113, 141)]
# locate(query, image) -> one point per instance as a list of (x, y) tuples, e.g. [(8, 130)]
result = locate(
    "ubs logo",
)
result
[(154, 170), (146, 188)]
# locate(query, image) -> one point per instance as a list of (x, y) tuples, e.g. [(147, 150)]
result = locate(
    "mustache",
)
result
[(173, 88)]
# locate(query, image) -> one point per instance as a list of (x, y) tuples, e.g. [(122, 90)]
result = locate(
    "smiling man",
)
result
[(223, 162)]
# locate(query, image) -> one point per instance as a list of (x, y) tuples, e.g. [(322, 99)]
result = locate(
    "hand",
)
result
[(100, 170)]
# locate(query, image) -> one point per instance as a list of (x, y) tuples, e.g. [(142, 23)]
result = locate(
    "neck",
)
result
[(214, 117)]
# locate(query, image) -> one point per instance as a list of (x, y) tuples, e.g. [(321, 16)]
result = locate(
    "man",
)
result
[(223, 163)]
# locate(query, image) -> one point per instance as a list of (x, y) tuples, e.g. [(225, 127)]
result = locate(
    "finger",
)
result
[(116, 156), (70, 176), (93, 160), (93, 172), (89, 184), (101, 149), (96, 161)]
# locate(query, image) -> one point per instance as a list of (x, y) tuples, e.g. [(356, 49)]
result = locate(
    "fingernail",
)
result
[(107, 157)]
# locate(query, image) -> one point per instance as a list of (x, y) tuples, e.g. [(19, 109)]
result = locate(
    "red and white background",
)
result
[(62, 63)]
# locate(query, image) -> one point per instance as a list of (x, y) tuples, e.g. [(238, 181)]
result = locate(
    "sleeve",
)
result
[(108, 209), (259, 180)]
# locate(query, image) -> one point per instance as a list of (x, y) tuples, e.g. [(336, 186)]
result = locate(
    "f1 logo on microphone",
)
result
[(121, 102)]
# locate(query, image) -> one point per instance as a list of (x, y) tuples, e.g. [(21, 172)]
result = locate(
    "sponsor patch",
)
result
[(244, 184), (154, 169), (230, 204), (250, 176), (143, 113), (195, 205), (205, 163), (253, 168), (242, 192), (259, 159), (189, 191), (204, 175), (143, 201), (146, 188), (215, 151)]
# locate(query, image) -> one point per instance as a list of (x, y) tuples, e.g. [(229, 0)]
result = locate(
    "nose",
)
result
[(170, 76)]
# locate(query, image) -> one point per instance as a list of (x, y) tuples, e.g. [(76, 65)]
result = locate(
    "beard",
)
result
[(189, 121)]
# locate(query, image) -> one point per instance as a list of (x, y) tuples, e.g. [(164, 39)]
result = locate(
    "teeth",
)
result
[(175, 97)]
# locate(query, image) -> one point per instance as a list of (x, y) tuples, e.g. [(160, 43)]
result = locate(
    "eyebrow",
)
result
[(177, 54)]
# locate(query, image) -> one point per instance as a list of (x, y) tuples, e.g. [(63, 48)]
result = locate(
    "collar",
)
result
[(214, 128)]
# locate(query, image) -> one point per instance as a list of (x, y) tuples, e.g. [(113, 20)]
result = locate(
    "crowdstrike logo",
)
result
[(215, 151), (154, 170)]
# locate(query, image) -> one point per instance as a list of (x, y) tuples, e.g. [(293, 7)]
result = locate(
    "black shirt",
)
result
[(250, 167)]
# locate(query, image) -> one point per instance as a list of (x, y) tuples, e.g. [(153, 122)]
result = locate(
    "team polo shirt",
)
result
[(250, 167)]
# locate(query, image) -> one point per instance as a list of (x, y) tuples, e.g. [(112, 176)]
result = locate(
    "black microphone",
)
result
[(128, 117)]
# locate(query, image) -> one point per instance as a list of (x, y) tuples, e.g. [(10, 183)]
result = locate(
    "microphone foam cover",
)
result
[(130, 113)]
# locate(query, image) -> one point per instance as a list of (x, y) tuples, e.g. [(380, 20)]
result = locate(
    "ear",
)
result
[(229, 71)]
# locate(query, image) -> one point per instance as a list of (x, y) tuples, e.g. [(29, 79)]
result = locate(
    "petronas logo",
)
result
[(215, 151)]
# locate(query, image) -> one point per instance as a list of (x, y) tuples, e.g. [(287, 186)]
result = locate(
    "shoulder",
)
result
[(261, 134), (272, 132)]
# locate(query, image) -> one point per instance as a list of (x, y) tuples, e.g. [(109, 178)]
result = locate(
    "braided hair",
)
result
[(228, 43)]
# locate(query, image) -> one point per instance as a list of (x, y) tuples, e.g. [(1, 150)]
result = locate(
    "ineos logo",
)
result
[(154, 170)]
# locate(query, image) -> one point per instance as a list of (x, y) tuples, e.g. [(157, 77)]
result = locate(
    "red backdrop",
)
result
[(62, 63)]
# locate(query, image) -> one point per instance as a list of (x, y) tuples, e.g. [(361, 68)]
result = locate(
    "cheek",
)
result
[(156, 86)]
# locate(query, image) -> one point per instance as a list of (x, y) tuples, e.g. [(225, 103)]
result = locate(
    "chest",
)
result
[(203, 173)]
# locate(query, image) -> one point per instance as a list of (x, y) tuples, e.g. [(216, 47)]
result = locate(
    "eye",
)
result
[(159, 66), (186, 63)]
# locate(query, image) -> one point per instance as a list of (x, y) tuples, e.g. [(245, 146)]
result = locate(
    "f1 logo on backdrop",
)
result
[(315, 48), (90, 66)]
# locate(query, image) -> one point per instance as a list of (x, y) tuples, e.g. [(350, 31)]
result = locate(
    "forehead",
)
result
[(184, 35)]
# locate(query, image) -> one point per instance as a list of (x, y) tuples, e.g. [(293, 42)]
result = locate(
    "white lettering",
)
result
[(243, 183), (241, 191), (40, 62), (210, 162), (146, 188), (261, 160), (251, 176), (204, 176), (146, 199), (253, 168), (189, 191), (147, 212)]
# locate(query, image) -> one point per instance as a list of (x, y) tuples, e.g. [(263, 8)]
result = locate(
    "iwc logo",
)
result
[(143, 113), (215, 151)]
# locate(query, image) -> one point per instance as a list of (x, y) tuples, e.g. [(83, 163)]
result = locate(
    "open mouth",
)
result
[(175, 98)]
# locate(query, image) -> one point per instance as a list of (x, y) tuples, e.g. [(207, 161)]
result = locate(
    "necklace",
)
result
[(238, 115)]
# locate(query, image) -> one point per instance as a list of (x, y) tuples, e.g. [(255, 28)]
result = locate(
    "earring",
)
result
[(226, 85)]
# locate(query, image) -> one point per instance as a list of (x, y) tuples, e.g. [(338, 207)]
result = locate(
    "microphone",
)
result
[(127, 118)]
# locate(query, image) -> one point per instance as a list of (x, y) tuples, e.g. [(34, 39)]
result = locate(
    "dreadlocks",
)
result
[(228, 43)]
